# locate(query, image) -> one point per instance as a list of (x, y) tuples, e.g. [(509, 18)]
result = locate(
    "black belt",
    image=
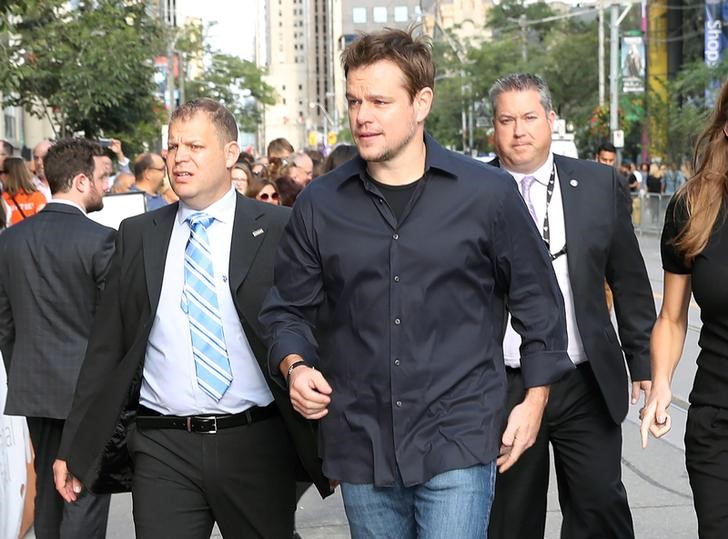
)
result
[(208, 424)]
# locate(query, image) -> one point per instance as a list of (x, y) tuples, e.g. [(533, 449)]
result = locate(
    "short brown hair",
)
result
[(222, 118), (66, 159), (413, 56), (144, 162)]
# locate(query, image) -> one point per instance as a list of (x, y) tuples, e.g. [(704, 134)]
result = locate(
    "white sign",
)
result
[(15, 455), (618, 138), (119, 206)]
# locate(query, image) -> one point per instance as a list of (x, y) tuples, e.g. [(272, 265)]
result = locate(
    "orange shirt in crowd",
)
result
[(30, 203)]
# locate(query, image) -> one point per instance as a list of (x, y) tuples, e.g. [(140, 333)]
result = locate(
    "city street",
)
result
[(655, 478)]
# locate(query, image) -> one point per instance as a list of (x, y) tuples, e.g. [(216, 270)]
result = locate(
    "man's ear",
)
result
[(423, 103), (551, 117), (80, 182), (232, 152)]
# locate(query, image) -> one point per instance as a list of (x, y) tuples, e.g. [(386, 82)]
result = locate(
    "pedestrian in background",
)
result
[(52, 272), (22, 199), (694, 259)]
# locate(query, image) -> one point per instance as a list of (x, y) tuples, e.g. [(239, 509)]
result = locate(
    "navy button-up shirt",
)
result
[(405, 319)]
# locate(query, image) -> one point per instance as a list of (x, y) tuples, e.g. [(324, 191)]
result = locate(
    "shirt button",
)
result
[(396, 362), (397, 321), (396, 278), (395, 236), (399, 404)]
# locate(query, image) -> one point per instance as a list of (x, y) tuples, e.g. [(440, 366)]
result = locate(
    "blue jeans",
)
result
[(454, 504)]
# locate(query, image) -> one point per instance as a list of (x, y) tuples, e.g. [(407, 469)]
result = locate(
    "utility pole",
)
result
[(168, 17), (602, 98), (614, 70), (523, 22)]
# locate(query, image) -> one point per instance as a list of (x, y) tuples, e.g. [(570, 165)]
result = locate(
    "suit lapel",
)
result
[(155, 245), (572, 197), (249, 229)]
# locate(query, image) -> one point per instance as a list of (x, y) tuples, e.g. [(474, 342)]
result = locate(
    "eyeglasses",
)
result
[(266, 196)]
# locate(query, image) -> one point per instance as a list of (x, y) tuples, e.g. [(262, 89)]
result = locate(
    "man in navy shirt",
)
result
[(389, 306)]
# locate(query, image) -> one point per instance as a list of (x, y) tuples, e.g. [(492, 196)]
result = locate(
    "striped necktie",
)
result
[(200, 302)]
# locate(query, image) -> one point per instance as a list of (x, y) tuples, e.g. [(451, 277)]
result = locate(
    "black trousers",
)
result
[(587, 447), (706, 457), (243, 478), (87, 517)]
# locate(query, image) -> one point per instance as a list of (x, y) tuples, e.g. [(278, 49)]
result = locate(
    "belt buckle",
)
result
[(205, 420)]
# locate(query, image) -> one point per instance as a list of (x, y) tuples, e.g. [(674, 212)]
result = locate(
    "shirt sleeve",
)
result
[(676, 218), (525, 272), (289, 310)]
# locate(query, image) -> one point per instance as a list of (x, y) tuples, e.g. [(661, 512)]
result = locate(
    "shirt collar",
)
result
[(436, 157), (542, 173), (67, 203), (222, 210)]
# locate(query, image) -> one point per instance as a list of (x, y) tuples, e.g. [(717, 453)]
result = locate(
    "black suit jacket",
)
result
[(601, 245), (111, 376), (52, 270)]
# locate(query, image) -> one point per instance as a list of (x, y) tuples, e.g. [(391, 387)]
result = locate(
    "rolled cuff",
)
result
[(545, 368)]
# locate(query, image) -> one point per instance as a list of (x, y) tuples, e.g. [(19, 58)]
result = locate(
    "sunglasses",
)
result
[(266, 196)]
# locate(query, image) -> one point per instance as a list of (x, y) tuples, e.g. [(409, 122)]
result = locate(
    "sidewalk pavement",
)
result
[(655, 479)]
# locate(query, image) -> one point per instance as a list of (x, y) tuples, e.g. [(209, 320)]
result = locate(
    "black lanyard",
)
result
[(546, 233)]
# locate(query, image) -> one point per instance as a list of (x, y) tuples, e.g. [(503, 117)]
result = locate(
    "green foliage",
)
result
[(504, 16), (91, 66), (236, 83), (682, 113), (563, 52)]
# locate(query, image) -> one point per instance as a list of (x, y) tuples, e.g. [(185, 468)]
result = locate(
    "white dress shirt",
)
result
[(538, 194), (169, 384)]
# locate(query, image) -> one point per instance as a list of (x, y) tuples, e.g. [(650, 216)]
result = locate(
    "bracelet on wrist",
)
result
[(297, 363)]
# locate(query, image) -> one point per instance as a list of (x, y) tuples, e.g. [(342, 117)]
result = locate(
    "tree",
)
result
[(684, 109), (236, 83), (506, 17), (87, 68)]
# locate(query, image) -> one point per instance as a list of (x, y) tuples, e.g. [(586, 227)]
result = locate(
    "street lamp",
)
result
[(327, 119)]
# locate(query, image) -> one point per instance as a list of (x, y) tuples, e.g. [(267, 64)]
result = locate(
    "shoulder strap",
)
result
[(18, 206)]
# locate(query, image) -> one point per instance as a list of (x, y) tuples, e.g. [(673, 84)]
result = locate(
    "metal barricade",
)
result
[(648, 212)]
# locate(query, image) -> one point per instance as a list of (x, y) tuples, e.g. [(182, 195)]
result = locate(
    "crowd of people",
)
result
[(276, 177), (402, 322)]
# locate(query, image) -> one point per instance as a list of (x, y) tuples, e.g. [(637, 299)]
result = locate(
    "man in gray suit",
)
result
[(52, 271)]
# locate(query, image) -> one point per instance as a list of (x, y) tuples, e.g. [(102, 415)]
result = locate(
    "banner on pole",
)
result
[(633, 64)]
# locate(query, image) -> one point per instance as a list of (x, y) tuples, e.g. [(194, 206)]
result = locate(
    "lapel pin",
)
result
[(574, 183), (258, 232)]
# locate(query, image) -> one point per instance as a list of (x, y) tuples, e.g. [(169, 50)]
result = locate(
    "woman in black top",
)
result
[(695, 259)]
